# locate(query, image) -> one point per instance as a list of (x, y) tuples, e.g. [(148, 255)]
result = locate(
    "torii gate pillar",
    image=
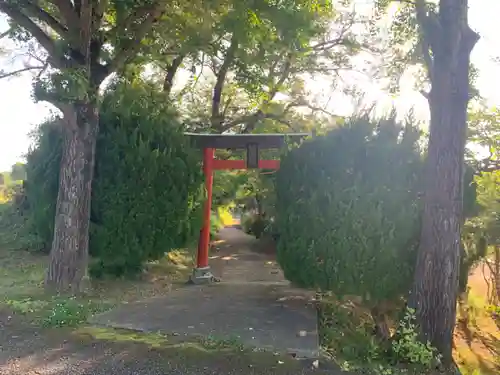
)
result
[(202, 274)]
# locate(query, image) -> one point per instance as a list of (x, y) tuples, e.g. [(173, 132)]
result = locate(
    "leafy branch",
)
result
[(16, 72), (36, 31), (78, 31)]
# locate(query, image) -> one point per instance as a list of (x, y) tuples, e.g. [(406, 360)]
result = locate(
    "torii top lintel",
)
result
[(243, 141), (253, 143)]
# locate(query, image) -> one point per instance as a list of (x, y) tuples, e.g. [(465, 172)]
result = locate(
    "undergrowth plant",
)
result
[(56, 311), (406, 346), (346, 336)]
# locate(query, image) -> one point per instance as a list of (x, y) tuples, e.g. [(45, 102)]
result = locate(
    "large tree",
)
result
[(446, 42), (253, 66), (85, 41)]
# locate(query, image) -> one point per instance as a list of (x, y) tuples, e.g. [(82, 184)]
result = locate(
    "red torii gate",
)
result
[(252, 143)]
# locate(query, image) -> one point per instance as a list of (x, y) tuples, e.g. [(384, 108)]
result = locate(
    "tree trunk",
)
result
[(172, 69), (496, 274), (69, 252), (381, 321), (435, 288)]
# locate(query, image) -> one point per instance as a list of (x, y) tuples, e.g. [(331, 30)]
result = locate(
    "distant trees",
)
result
[(18, 171)]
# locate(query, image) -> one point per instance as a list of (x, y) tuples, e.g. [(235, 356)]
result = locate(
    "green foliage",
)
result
[(15, 221), (226, 185), (474, 249), (488, 190), (56, 311), (484, 137), (474, 245), (215, 224), (70, 85), (147, 183), (348, 210), (42, 172), (275, 45), (68, 312), (255, 225), (406, 346), (346, 334)]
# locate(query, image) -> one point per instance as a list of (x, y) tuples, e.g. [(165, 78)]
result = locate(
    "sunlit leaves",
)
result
[(484, 136), (62, 86), (278, 43)]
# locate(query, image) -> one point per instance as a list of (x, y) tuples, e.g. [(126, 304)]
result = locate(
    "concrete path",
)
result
[(253, 304)]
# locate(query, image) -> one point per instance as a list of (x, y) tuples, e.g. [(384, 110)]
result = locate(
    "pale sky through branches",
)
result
[(19, 114)]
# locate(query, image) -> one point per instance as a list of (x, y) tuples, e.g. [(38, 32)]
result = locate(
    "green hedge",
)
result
[(42, 181), (147, 187), (348, 210)]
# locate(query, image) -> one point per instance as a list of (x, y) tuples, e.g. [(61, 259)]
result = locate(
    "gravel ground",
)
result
[(28, 350)]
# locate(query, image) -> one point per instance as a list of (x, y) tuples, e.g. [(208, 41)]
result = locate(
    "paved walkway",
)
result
[(253, 304)]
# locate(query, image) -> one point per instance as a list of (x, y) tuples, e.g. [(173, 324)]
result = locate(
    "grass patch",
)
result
[(158, 340), (154, 340), (21, 288)]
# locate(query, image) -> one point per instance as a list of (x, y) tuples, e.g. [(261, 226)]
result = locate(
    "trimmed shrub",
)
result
[(147, 186), (347, 211), (147, 183)]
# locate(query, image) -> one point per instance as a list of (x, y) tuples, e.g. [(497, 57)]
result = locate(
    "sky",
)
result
[(19, 115)]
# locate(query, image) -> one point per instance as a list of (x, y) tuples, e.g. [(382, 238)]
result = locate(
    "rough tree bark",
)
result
[(69, 253), (493, 266), (448, 42), (497, 274)]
